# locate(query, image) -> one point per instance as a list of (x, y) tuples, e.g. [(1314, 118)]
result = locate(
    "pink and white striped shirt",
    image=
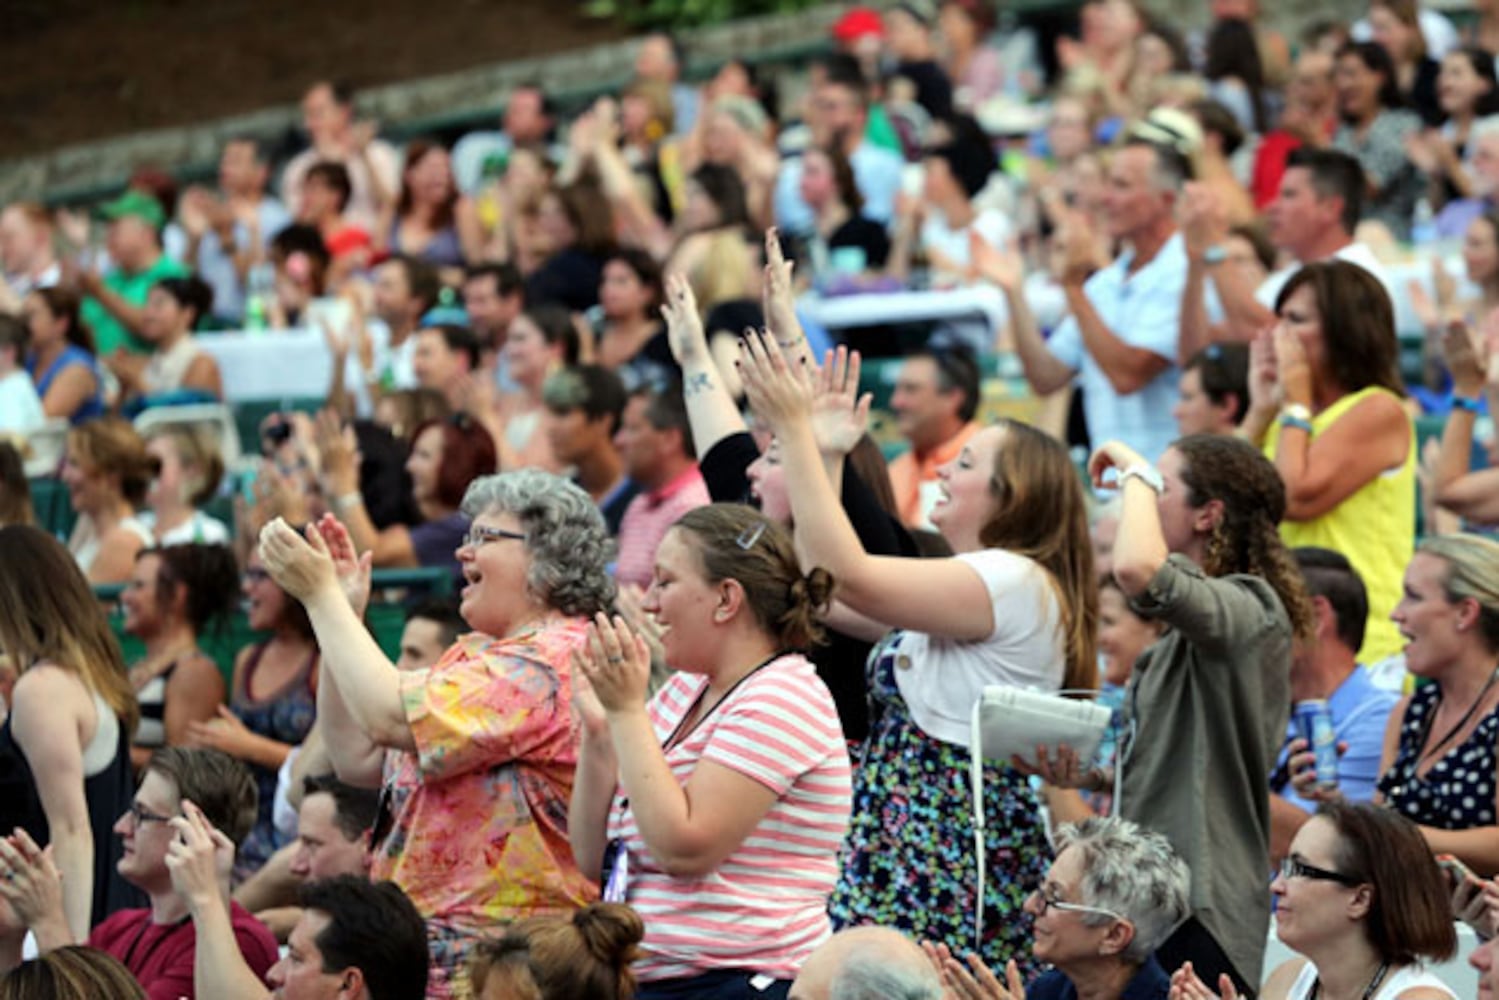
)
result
[(765, 907)]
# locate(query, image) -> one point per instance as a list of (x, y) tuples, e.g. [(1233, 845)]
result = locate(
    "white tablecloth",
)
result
[(843, 311), (275, 364)]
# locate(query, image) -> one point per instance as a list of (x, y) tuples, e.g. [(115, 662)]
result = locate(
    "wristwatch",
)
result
[(1147, 474), (1215, 254)]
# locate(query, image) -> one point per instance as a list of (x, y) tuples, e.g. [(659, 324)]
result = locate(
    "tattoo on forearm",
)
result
[(697, 382)]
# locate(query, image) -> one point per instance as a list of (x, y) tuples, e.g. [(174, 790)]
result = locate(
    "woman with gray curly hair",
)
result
[(1113, 895), (474, 756)]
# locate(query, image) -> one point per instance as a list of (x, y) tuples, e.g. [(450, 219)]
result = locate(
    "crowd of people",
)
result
[(700, 722)]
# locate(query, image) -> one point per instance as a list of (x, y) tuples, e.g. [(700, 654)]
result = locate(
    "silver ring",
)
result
[(616, 659)]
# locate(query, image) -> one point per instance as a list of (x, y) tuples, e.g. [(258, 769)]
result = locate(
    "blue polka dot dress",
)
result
[(1458, 792)]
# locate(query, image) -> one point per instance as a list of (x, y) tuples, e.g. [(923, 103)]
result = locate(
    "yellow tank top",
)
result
[(1375, 528)]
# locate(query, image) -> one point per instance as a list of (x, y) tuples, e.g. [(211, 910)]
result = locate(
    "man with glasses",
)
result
[(157, 944)]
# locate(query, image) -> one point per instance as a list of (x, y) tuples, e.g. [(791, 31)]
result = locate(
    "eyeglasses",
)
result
[(478, 535), (1293, 867), (256, 574), (1050, 900), (141, 815)]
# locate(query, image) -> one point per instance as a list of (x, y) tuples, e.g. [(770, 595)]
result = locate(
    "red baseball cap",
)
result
[(857, 23)]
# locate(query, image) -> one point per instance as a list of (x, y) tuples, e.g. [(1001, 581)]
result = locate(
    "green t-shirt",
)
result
[(109, 333), (880, 131)]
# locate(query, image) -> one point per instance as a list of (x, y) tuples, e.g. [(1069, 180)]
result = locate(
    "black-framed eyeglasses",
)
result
[(257, 574), (1050, 900), (1294, 867), (140, 815), (478, 534)]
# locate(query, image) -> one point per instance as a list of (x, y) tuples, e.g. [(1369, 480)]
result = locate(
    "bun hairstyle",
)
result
[(588, 953), (736, 542)]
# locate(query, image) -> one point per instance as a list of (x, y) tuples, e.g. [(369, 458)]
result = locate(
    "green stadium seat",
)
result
[(54, 512), (250, 413)]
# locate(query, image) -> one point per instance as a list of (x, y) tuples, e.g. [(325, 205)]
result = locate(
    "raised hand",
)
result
[(1465, 359), (300, 566), (782, 397), (1264, 374), (1002, 267), (1292, 370), (354, 570), (684, 324), (199, 858), (779, 298), (616, 663), (840, 416), (1114, 455), (30, 881)]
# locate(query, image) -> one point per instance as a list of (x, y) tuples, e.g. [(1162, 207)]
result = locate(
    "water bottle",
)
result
[(260, 285), (1424, 224)]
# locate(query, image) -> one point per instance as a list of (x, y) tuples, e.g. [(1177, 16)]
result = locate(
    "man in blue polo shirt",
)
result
[(1325, 667)]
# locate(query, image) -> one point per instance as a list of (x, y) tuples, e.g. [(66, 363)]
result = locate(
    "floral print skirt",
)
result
[(910, 861)]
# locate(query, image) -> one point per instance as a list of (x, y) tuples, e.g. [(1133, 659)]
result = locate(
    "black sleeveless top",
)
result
[(108, 794)]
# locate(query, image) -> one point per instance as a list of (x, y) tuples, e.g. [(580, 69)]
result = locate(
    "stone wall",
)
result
[(88, 170)]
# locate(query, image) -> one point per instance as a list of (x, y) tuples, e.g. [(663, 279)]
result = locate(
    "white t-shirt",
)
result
[(199, 529), (20, 408), (940, 678), (1353, 253), (952, 244)]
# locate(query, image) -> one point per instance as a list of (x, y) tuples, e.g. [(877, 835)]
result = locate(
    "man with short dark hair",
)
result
[(156, 944), (374, 166), (585, 407), (655, 440), (115, 306), (1120, 339), (1325, 667), (354, 941), (333, 838), (443, 357), (935, 400), (1312, 218), (493, 296), (529, 119), (431, 627), (405, 288), (228, 233)]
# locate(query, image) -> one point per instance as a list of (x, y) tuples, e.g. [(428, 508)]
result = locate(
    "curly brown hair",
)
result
[(1247, 539)]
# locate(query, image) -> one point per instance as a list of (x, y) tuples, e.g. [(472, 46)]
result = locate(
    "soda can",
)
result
[(1314, 724)]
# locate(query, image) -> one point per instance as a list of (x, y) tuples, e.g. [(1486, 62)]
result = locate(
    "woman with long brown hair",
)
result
[(65, 749), (62, 362), (431, 220), (1205, 712), (1327, 407), (1016, 605)]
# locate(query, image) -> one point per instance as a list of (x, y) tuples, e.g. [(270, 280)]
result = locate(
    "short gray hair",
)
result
[(565, 534), (868, 974), (1133, 872)]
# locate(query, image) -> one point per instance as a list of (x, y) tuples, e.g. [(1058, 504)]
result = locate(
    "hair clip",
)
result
[(749, 536)]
